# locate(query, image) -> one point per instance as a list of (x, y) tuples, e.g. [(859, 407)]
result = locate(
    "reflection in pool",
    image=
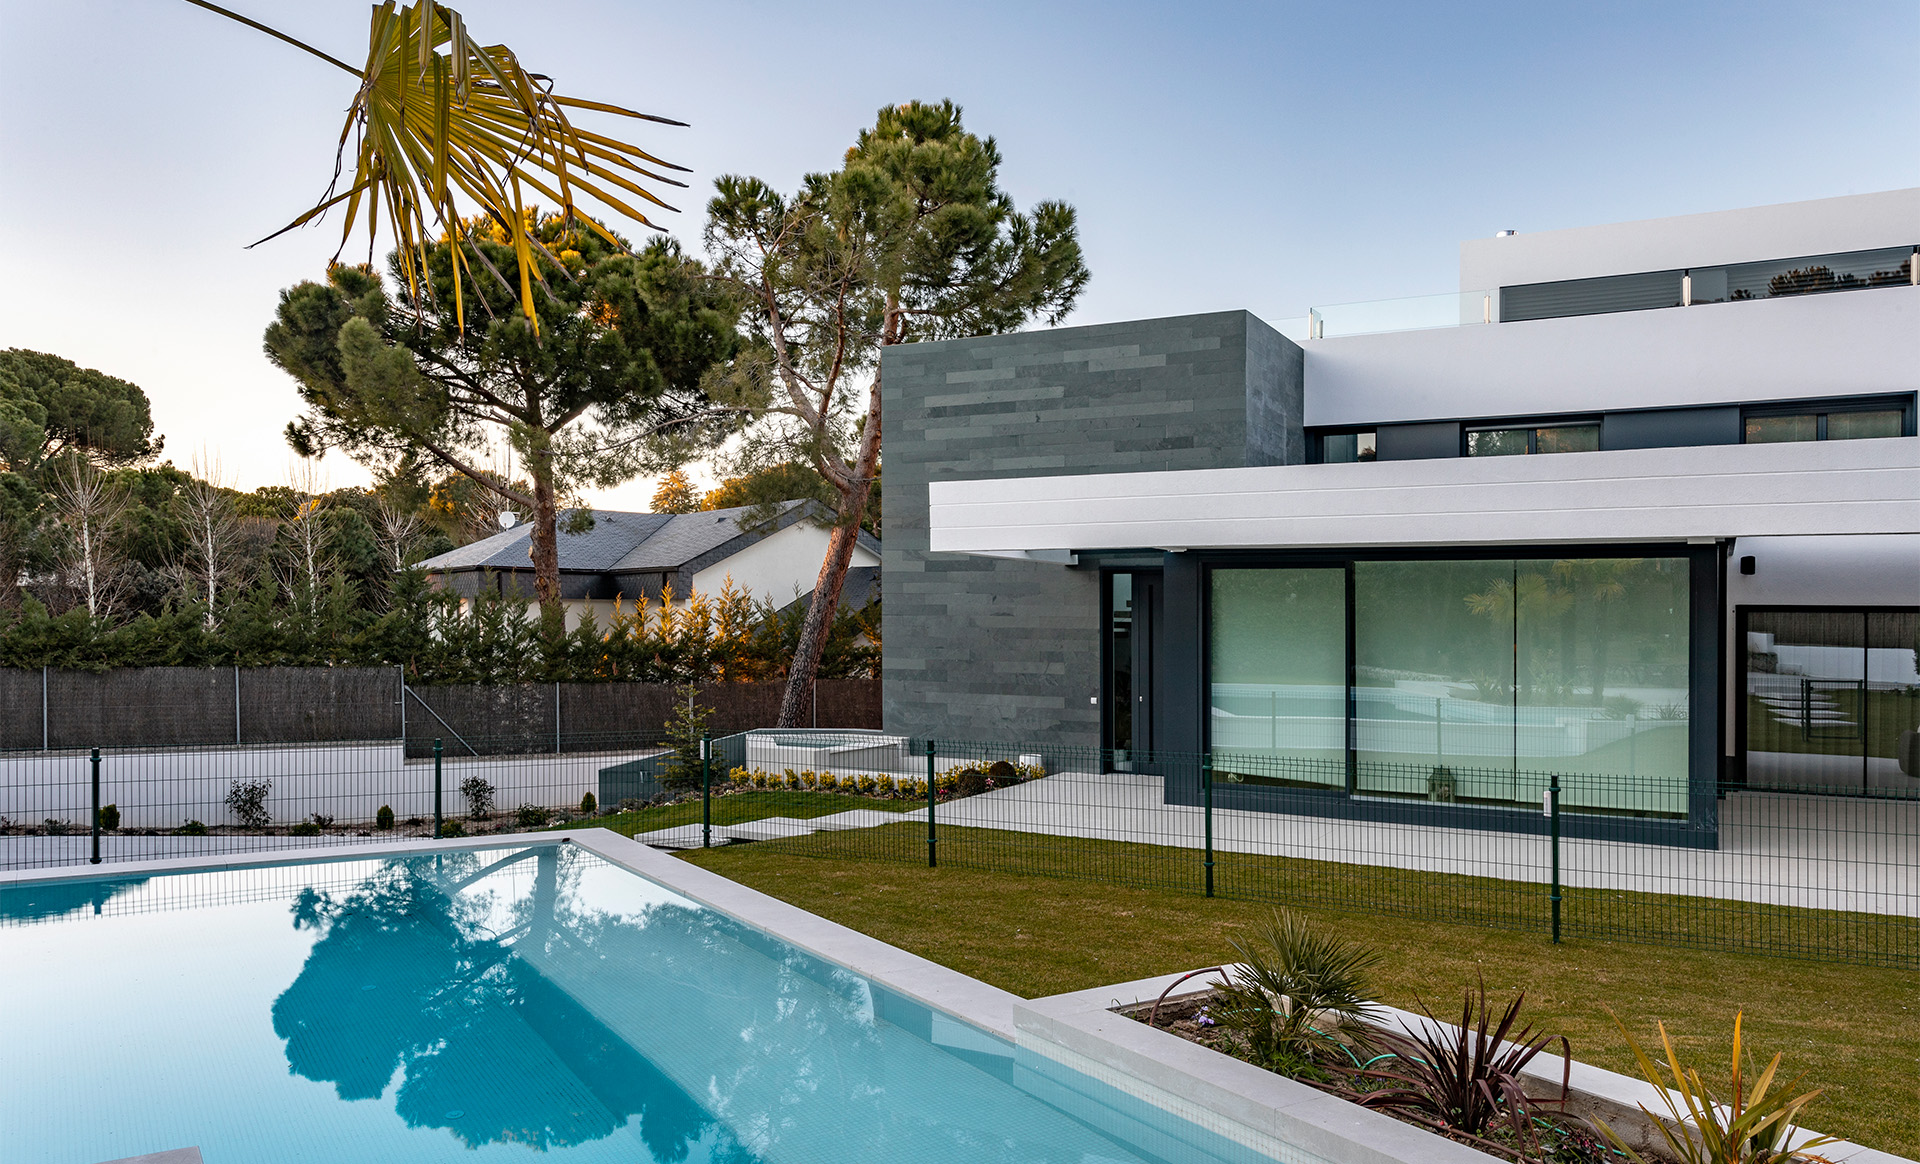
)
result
[(473, 1005)]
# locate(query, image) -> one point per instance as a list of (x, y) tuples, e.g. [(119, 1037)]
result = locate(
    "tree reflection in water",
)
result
[(412, 978)]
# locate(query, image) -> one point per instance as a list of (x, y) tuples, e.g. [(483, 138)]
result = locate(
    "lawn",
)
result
[(739, 808), (1852, 1030)]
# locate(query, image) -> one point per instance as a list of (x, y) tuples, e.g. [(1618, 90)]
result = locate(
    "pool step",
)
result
[(172, 1156)]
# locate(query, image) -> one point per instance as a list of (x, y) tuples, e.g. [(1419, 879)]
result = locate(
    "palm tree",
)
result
[(430, 126)]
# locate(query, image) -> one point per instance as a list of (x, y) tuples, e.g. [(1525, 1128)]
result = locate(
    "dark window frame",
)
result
[(1317, 444), (1736, 778), (1820, 409), (1532, 427)]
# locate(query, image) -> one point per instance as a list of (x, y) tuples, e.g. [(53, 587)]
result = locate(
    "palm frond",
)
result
[(439, 119)]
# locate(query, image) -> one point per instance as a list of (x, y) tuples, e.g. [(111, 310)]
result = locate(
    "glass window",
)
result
[(1602, 693), (1893, 700), (1507, 442), (1278, 676), (1346, 447), (1842, 426), (1433, 679), (1769, 429), (1572, 438), (1498, 442), (1120, 666)]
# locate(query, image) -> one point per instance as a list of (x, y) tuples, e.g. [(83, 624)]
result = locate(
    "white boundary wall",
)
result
[(162, 789)]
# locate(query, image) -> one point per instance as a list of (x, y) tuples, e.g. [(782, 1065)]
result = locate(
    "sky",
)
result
[(1270, 157)]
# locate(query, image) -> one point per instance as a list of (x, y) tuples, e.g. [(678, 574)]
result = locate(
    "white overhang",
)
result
[(1642, 495)]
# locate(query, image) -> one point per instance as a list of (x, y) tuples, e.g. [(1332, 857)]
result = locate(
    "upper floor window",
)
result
[(1768, 426), (1767, 279), (1341, 448), (1509, 442)]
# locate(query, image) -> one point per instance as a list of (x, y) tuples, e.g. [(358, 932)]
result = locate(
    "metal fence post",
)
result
[(96, 807), (1206, 801), (436, 788), (1553, 833), (706, 790), (933, 840)]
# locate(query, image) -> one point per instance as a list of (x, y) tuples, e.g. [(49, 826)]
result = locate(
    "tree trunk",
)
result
[(546, 547), (826, 602)]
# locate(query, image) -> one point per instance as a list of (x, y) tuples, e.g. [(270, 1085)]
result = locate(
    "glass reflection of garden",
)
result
[(1473, 681)]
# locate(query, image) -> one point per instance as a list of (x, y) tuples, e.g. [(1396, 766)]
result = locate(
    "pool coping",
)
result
[(909, 975), (1083, 1030)]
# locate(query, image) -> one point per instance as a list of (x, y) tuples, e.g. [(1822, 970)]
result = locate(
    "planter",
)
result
[(1281, 1118)]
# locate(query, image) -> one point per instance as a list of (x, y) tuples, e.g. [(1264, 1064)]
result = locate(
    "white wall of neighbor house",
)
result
[(777, 568), (1675, 494), (1712, 353), (1855, 222)]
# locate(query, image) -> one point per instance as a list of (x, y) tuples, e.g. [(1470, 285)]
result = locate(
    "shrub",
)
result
[(192, 828), (588, 805), (110, 817), (969, 781), (479, 796), (305, 828), (869, 785), (322, 819), (247, 801), (452, 828), (531, 816), (631, 804), (886, 786), (1466, 1079), (828, 782), (792, 779), (54, 828), (1295, 984), (685, 729), (1757, 1125), (383, 819)]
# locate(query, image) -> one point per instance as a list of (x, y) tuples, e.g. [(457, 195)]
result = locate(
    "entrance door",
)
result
[(1133, 607)]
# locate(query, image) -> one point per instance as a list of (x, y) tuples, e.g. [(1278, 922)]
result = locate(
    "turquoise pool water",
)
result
[(497, 1004)]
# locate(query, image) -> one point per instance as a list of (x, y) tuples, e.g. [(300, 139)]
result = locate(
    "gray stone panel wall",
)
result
[(994, 650)]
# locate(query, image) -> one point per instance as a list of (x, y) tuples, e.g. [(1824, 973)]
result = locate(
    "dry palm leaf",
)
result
[(438, 117)]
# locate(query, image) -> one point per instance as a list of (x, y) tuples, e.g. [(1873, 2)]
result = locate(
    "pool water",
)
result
[(491, 1004)]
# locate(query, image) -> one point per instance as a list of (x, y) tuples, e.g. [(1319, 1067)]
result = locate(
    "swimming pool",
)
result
[(483, 1004)]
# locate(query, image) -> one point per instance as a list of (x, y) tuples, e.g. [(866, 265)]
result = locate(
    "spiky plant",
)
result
[(1755, 1126), (1295, 984)]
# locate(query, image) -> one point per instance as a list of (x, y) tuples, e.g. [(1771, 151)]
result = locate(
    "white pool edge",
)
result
[(1084, 1027)]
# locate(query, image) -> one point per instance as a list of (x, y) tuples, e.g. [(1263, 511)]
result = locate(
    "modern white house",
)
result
[(1636, 511), (628, 557)]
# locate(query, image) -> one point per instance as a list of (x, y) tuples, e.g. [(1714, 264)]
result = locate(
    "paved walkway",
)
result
[(1815, 852)]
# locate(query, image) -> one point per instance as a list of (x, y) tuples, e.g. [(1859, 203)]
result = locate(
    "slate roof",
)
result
[(623, 543)]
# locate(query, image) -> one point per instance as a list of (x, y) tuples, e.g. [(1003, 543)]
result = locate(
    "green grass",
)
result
[(1853, 1030), (739, 808)]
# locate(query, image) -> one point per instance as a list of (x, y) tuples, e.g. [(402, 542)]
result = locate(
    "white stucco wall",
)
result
[(1678, 494), (1789, 230), (1854, 343), (779, 568)]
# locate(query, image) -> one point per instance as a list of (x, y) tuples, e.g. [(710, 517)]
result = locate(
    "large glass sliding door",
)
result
[(1278, 692), (1433, 679), (1832, 700), (1471, 680)]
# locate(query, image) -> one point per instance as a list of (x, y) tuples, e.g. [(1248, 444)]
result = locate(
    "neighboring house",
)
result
[(629, 556), (1637, 509)]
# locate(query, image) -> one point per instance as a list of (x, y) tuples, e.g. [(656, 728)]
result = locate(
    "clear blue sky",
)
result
[(1262, 156)]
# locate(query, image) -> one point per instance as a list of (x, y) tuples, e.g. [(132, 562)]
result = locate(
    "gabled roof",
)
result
[(621, 543)]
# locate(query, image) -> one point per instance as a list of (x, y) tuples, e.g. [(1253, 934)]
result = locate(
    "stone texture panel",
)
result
[(1009, 651)]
